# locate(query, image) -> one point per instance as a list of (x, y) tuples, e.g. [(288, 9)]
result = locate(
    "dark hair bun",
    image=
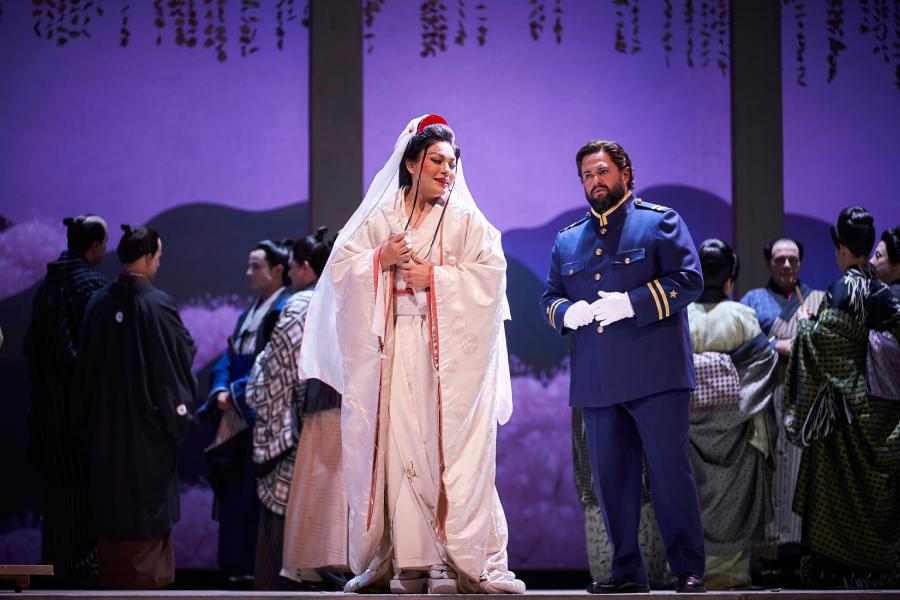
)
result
[(68, 221), (126, 228), (320, 233)]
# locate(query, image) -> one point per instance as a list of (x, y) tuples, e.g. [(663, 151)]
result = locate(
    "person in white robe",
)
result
[(407, 324)]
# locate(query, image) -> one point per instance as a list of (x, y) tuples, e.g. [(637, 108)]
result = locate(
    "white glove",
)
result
[(578, 315), (612, 307)]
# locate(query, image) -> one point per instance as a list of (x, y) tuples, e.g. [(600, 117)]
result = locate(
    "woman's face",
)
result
[(887, 271), (438, 170)]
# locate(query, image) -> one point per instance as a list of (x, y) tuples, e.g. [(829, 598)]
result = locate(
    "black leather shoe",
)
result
[(617, 586), (691, 584)]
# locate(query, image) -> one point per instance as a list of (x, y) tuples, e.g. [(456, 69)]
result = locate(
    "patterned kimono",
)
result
[(730, 438), (847, 491), (778, 315)]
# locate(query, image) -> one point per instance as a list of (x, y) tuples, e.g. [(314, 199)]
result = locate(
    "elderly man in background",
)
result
[(779, 306)]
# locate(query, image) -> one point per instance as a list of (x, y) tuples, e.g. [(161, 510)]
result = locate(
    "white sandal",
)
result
[(442, 580), (410, 581)]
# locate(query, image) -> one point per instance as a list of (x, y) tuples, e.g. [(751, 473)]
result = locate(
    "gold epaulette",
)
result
[(578, 222), (650, 206)]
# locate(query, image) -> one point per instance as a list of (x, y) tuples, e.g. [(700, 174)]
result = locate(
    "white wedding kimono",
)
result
[(426, 380)]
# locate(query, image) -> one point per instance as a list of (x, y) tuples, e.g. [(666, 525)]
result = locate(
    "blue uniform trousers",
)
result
[(659, 424)]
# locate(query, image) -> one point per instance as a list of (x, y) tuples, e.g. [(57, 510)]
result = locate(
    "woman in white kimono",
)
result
[(414, 295)]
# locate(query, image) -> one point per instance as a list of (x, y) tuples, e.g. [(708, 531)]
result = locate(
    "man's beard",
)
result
[(613, 195)]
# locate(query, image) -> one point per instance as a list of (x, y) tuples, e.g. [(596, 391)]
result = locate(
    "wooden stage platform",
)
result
[(536, 595)]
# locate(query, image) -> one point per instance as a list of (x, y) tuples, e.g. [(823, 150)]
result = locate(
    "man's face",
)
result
[(604, 184), (785, 265), (259, 273)]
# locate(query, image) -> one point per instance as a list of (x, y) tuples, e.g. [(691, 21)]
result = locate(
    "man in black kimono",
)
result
[(67, 529), (136, 391)]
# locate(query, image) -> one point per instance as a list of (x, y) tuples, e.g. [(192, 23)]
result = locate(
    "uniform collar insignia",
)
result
[(604, 216)]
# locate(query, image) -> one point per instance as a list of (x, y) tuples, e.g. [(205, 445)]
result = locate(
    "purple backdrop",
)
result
[(215, 155)]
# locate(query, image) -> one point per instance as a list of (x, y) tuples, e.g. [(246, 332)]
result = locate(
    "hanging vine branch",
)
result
[(434, 27), (896, 43), (284, 13), (619, 44), (460, 38), (536, 19), (557, 23), (249, 28), (800, 21), (176, 13), (880, 29), (480, 10), (667, 31), (705, 32), (193, 23), (635, 27), (209, 18), (689, 21), (835, 25), (221, 32), (160, 20), (370, 9), (124, 31), (722, 57)]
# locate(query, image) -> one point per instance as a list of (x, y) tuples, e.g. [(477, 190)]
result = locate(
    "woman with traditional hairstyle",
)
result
[(886, 259), (407, 324)]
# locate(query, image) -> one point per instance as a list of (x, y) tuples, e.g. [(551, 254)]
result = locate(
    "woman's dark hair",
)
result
[(277, 253), (83, 231), (767, 249), (313, 249), (855, 229), (136, 243), (719, 263), (891, 239), (429, 136), (616, 153)]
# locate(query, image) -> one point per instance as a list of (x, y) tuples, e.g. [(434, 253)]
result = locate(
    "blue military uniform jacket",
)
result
[(645, 250)]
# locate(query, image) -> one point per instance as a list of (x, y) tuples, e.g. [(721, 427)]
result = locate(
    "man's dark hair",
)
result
[(277, 253), (767, 249), (136, 243), (855, 229), (83, 231), (430, 135), (614, 150), (313, 249), (891, 239), (719, 263)]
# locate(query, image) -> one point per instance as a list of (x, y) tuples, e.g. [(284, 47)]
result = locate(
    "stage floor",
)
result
[(539, 594)]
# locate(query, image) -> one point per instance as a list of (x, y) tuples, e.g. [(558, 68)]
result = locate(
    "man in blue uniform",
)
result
[(619, 282)]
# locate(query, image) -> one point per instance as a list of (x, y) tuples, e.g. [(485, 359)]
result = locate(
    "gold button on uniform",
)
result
[(603, 231), (600, 329), (571, 271), (598, 251), (627, 261), (597, 276)]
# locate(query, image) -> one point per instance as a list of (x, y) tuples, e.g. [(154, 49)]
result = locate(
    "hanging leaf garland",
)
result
[(370, 8), (160, 20), (635, 26), (221, 32), (249, 27), (667, 31), (722, 20), (557, 22), (209, 17), (481, 11), (460, 38), (689, 21), (880, 28), (835, 25), (619, 43), (124, 31), (434, 27), (800, 21), (705, 32), (536, 19)]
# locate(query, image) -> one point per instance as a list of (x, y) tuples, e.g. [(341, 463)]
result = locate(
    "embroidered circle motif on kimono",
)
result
[(119, 317), (469, 343), (458, 325)]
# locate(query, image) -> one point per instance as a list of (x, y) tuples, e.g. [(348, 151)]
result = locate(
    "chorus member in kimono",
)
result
[(886, 259), (619, 282), (847, 491), (779, 306), (136, 393), (730, 429), (230, 455), (407, 324), (67, 530), (283, 409)]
